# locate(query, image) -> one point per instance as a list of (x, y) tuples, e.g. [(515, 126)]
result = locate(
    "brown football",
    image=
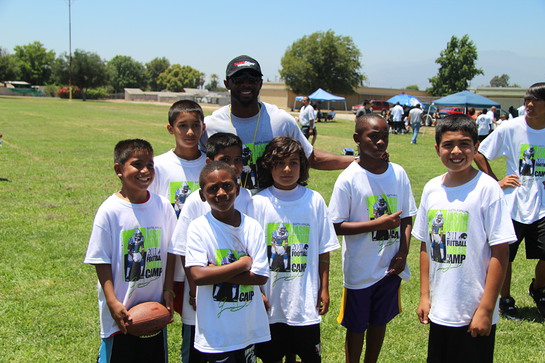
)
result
[(148, 318)]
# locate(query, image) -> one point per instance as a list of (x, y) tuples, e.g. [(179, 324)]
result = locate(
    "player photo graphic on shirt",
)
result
[(179, 191), (287, 249), (250, 154), (142, 254), (532, 160), (448, 237), (230, 296), (378, 206)]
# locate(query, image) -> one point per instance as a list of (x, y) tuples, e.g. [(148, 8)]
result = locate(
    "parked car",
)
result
[(451, 110), (378, 106)]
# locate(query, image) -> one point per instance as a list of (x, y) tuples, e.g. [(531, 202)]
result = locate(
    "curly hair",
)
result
[(279, 149)]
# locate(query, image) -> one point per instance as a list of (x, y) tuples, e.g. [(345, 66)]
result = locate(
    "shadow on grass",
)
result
[(4, 180), (530, 313)]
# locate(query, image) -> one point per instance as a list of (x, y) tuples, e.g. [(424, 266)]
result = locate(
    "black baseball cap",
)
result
[(242, 62)]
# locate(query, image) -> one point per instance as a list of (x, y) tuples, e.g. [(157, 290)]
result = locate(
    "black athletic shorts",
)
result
[(285, 339), (534, 240)]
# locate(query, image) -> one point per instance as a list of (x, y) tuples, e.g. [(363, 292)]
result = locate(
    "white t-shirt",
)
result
[(459, 225), (133, 239), (296, 232), (229, 316), (484, 124), (397, 113), (255, 132), (358, 196), (175, 179), (415, 115), (306, 114), (194, 207), (524, 151)]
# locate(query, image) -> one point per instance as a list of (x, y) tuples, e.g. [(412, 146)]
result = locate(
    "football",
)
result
[(148, 318)]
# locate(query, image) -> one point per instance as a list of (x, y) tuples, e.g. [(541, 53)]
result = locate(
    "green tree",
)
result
[(153, 69), (456, 67), (413, 87), (9, 70), (214, 84), (88, 70), (34, 62), (178, 77), (125, 72), (500, 81), (324, 60)]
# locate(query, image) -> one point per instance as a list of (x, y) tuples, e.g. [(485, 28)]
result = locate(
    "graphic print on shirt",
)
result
[(448, 236), (250, 153), (142, 255), (179, 191), (379, 205), (232, 297), (532, 161), (287, 249)]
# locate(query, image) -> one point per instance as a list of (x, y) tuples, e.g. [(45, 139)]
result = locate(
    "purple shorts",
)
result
[(375, 305)]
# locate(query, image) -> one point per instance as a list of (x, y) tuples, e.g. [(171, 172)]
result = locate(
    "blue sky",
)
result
[(399, 40)]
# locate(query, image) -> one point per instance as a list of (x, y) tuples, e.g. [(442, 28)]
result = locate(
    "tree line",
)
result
[(322, 59)]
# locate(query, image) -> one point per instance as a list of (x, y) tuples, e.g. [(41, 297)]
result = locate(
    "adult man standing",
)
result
[(484, 124), (492, 115), (365, 110), (521, 140), (415, 119), (257, 123), (307, 120), (397, 118)]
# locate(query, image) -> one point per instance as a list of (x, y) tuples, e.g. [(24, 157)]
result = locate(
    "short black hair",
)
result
[(278, 149), (212, 167), (220, 141), (126, 148), (536, 91), (456, 122), (363, 119), (184, 106)]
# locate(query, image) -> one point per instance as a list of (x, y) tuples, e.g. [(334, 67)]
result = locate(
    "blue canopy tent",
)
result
[(405, 100), (465, 99), (321, 95)]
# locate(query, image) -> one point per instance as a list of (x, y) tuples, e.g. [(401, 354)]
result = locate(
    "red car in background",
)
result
[(378, 106), (451, 110)]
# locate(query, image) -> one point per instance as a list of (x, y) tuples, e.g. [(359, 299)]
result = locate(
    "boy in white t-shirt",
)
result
[(224, 147), (466, 212), (372, 206), (300, 236), (128, 247), (522, 142), (227, 258), (177, 171)]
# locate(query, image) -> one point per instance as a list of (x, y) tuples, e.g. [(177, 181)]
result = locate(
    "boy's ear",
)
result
[(201, 194), (170, 129), (203, 126), (118, 169), (355, 137), (208, 160), (437, 149)]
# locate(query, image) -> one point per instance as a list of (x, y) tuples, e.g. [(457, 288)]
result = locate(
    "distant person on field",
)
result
[(132, 227), (415, 120), (484, 124), (471, 113), (296, 222), (307, 120), (375, 245), (331, 115), (365, 110), (459, 291), (522, 142), (397, 118)]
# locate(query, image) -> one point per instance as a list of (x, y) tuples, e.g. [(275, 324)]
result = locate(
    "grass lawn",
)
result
[(55, 171)]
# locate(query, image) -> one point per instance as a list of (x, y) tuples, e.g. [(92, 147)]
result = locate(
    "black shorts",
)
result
[(306, 131), (285, 339), (129, 348), (534, 240), (245, 355), (454, 344)]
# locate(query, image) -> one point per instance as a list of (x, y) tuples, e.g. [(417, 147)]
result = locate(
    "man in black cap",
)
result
[(257, 123)]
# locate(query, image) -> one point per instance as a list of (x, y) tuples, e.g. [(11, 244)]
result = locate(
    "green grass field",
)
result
[(56, 169)]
